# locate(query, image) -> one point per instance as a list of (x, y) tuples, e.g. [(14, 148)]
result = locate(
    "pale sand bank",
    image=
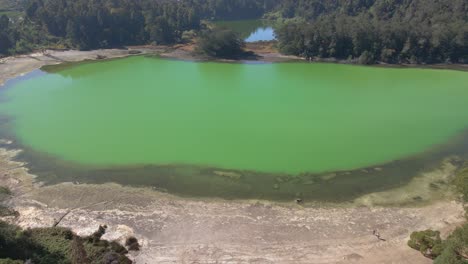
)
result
[(178, 230)]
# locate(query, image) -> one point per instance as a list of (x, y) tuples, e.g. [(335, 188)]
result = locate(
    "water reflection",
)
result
[(250, 30)]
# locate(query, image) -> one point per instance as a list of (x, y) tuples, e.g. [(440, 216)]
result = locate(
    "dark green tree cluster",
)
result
[(428, 242), (220, 43), (88, 24), (233, 9), (368, 31), (21, 36), (5, 42), (453, 250), (167, 20)]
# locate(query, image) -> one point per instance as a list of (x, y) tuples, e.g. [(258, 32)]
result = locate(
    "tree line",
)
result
[(87, 24), (369, 31), (363, 31)]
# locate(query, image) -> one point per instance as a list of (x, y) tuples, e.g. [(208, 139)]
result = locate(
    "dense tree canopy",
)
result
[(364, 31), (220, 42), (87, 24), (391, 31)]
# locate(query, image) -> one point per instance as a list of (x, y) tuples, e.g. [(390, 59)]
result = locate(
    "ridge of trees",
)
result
[(361, 31), (87, 24), (454, 249), (369, 31), (220, 43)]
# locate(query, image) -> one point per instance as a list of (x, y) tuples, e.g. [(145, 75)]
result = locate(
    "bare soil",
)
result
[(179, 230)]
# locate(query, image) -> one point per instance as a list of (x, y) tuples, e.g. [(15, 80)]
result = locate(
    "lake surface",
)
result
[(233, 129), (250, 30)]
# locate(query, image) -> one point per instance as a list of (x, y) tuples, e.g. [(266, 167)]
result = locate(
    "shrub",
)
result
[(428, 242), (455, 248)]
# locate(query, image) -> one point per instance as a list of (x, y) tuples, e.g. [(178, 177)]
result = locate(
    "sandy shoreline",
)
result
[(178, 230), (14, 66)]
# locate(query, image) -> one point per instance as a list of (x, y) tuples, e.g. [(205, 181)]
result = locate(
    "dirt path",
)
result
[(177, 230)]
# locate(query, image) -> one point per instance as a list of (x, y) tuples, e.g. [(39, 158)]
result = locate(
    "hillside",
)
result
[(364, 31), (397, 31), (11, 8)]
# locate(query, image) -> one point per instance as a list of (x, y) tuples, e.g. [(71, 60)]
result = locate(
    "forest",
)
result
[(87, 24), (369, 31), (364, 31)]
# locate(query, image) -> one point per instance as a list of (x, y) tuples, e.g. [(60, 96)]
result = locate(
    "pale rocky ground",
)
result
[(177, 230)]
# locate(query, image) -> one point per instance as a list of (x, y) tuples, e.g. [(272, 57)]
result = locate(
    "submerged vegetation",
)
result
[(366, 32)]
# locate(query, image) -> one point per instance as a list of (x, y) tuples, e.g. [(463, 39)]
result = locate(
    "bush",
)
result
[(55, 245), (455, 248), (428, 242)]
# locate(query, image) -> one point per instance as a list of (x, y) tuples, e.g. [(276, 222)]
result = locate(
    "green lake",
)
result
[(236, 130)]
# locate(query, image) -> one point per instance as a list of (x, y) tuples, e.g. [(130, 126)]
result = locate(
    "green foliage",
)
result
[(367, 31), (455, 248), (221, 43), (88, 24), (54, 245), (428, 242), (395, 31)]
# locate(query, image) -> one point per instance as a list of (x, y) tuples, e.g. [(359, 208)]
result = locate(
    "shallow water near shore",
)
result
[(273, 131)]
